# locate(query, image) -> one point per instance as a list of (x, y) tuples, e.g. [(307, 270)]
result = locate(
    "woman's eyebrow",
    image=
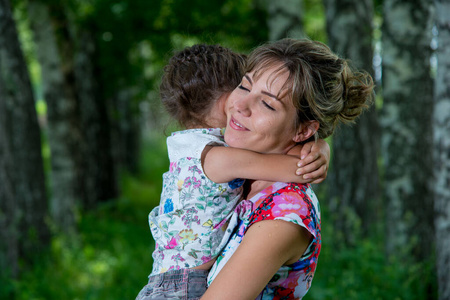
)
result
[(263, 92), (248, 78), (270, 95)]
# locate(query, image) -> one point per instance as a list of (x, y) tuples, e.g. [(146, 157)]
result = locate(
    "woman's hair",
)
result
[(321, 85), (195, 78)]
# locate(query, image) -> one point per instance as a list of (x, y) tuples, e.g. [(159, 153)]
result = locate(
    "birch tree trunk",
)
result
[(407, 127), (285, 19), (353, 182), (441, 127), (83, 171), (55, 57), (23, 203)]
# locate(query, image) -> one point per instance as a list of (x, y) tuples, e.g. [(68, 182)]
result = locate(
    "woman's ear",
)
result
[(307, 129)]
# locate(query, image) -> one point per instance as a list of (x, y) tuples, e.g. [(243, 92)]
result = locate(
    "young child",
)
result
[(191, 224)]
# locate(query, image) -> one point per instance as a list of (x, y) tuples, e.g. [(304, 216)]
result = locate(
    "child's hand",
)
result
[(315, 159)]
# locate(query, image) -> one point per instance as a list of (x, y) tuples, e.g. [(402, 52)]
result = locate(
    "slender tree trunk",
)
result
[(99, 169), (353, 182), (407, 127), (9, 210), (83, 171), (441, 127), (54, 54), (23, 203), (126, 131), (285, 19)]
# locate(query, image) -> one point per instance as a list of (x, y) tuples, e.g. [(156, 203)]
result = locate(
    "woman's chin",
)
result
[(236, 142)]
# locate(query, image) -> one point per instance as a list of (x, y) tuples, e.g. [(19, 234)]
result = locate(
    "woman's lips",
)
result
[(236, 125)]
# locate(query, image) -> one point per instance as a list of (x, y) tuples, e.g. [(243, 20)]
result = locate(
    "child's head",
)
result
[(195, 78)]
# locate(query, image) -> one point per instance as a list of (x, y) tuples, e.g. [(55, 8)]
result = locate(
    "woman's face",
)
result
[(259, 117)]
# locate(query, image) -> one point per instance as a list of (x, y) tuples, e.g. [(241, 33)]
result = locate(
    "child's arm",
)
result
[(223, 164)]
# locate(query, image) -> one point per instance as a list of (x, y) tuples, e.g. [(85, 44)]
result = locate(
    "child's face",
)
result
[(217, 117)]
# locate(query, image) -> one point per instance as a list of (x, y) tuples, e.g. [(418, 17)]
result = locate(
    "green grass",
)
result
[(110, 259)]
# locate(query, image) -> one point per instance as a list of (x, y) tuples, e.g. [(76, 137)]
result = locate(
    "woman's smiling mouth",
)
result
[(235, 125)]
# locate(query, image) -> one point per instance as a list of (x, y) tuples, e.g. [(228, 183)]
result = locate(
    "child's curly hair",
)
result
[(195, 78)]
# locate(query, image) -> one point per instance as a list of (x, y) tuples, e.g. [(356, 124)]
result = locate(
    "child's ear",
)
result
[(306, 130)]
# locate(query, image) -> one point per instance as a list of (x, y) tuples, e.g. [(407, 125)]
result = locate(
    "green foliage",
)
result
[(145, 188), (145, 33), (364, 272), (314, 17), (27, 45), (110, 258)]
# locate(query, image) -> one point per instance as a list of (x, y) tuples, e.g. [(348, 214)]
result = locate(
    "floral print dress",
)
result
[(291, 202), (190, 226)]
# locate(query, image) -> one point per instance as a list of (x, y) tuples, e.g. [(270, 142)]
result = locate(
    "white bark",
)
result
[(285, 19), (406, 127), (441, 128), (63, 131)]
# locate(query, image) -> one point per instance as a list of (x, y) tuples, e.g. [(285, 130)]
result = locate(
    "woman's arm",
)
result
[(223, 164), (266, 246)]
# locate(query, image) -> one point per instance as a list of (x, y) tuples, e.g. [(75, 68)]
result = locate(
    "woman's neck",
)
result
[(253, 187)]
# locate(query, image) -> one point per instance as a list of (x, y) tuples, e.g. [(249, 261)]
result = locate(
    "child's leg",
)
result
[(185, 284)]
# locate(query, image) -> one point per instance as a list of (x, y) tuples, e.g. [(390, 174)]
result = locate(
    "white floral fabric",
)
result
[(190, 226)]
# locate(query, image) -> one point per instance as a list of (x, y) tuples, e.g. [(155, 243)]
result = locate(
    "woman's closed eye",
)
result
[(267, 105), (243, 88)]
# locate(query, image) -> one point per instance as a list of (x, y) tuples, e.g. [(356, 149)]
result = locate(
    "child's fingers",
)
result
[(306, 150), (318, 174), (311, 167), (313, 160), (306, 169), (312, 157)]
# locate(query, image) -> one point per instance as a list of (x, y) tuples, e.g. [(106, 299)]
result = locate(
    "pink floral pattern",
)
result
[(294, 203)]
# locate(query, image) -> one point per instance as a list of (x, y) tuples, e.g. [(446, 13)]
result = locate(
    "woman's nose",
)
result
[(243, 106)]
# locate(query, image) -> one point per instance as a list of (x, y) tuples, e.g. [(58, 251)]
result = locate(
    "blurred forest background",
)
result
[(82, 140)]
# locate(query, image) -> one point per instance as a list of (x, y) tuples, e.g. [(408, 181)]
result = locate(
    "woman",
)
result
[(293, 91), (190, 226)]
